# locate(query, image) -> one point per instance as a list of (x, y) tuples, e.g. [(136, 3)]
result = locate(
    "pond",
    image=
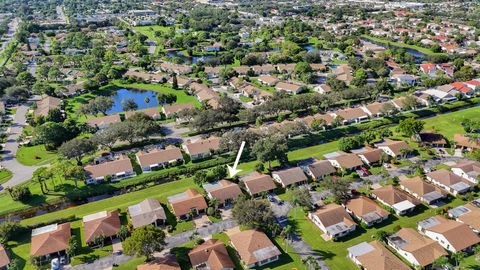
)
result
[(188, 59), (418, 55), (138, 96)]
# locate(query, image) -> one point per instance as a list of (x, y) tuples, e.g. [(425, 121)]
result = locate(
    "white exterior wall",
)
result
[(440, 239), (461, 173), (406, 255)]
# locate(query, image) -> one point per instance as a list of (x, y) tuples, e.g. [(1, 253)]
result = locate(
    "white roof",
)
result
[(360, 249), (44, 229), (402, 206), (95, 216)]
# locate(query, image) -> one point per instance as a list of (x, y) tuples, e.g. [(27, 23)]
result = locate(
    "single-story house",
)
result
[(344, 161), (375, 256), (158, 158), (449, 181), (431, 139), (468, 169), (333, 220), (47, 104), (468, 214), (101, 224), (50, 240), (152, 112), (223, 191), (187, 204), (322, 89), (452, 235), (319, 169), (257, 183), (465, 143), (212, 254), (352, 115), (392, 197), (168, 262), (366, 210), (172, 110), (417, 249), (202, 148), (288, 177), (374, 109), (254, 248), (422, 190), (290, 88), (147, 212), (103, 122), (268, 80), (394, 148), (370, 155), (115, 169)]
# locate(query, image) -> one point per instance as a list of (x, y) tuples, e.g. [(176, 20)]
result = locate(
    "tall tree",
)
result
[(144, 241), (76, 149), (252, 213), (270, 148)]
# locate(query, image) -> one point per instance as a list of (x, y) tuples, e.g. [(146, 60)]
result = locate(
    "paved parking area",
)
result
[(201, 221)]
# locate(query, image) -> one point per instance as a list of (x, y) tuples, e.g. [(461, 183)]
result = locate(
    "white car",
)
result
[(55, 264)]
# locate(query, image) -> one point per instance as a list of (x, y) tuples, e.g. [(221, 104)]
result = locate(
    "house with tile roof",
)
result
[(375, 256), (114, 170), (103, 122), (268, 80), (290, 177), (50, 240), (258, 183), (223, 191), (468, 214), (47, 104), (394, 148), (202, 148), (159, 158), (344, 161), (423, 191), (352, 115), (154, 113), (417, 249), (105, 224), (291, 88), (465, 143), (366, 210), (449, 181), (468, 169), (452, 235), (254, 248), (187, 204), (147, 212), (168, 262), (370, 155), (319, 169), (397, 200), (172, 110), (212, 255), (333, 220)]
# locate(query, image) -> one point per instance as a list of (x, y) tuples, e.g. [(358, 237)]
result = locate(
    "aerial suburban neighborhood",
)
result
[(222, 135)]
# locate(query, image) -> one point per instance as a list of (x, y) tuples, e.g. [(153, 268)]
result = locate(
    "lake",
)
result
[(419, 55), (137, 95)]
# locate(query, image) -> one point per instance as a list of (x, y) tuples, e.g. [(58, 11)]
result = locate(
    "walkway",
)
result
[(296, 243), (20, 172)]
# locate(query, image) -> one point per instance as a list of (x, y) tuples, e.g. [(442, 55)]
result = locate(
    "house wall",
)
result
[(439, 238), (406, 255), (461, 173)]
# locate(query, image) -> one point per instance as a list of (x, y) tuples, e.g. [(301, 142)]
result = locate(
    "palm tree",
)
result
[(286, 233), (458, 257)]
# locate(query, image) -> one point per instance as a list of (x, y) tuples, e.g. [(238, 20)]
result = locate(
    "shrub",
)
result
[(20, 193)]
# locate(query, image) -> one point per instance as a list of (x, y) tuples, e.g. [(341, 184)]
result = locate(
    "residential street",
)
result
[(20, 173)]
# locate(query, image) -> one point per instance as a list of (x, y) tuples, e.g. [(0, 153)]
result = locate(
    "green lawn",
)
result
[(403, 45), (450, 123), (5, 175), (35, 155), (245, 99)]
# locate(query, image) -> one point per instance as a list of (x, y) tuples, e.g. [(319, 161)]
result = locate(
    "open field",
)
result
[(35, 155), (450, 123)]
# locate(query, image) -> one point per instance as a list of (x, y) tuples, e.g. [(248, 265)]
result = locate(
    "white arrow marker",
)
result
[(233, 171)]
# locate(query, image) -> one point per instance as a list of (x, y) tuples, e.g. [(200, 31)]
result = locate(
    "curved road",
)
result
[(20, 172)]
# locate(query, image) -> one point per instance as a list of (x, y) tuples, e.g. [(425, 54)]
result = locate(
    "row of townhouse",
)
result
[(121, 168)]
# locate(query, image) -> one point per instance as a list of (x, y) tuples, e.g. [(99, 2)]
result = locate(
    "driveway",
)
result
[(296, 243), (20, 172)]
